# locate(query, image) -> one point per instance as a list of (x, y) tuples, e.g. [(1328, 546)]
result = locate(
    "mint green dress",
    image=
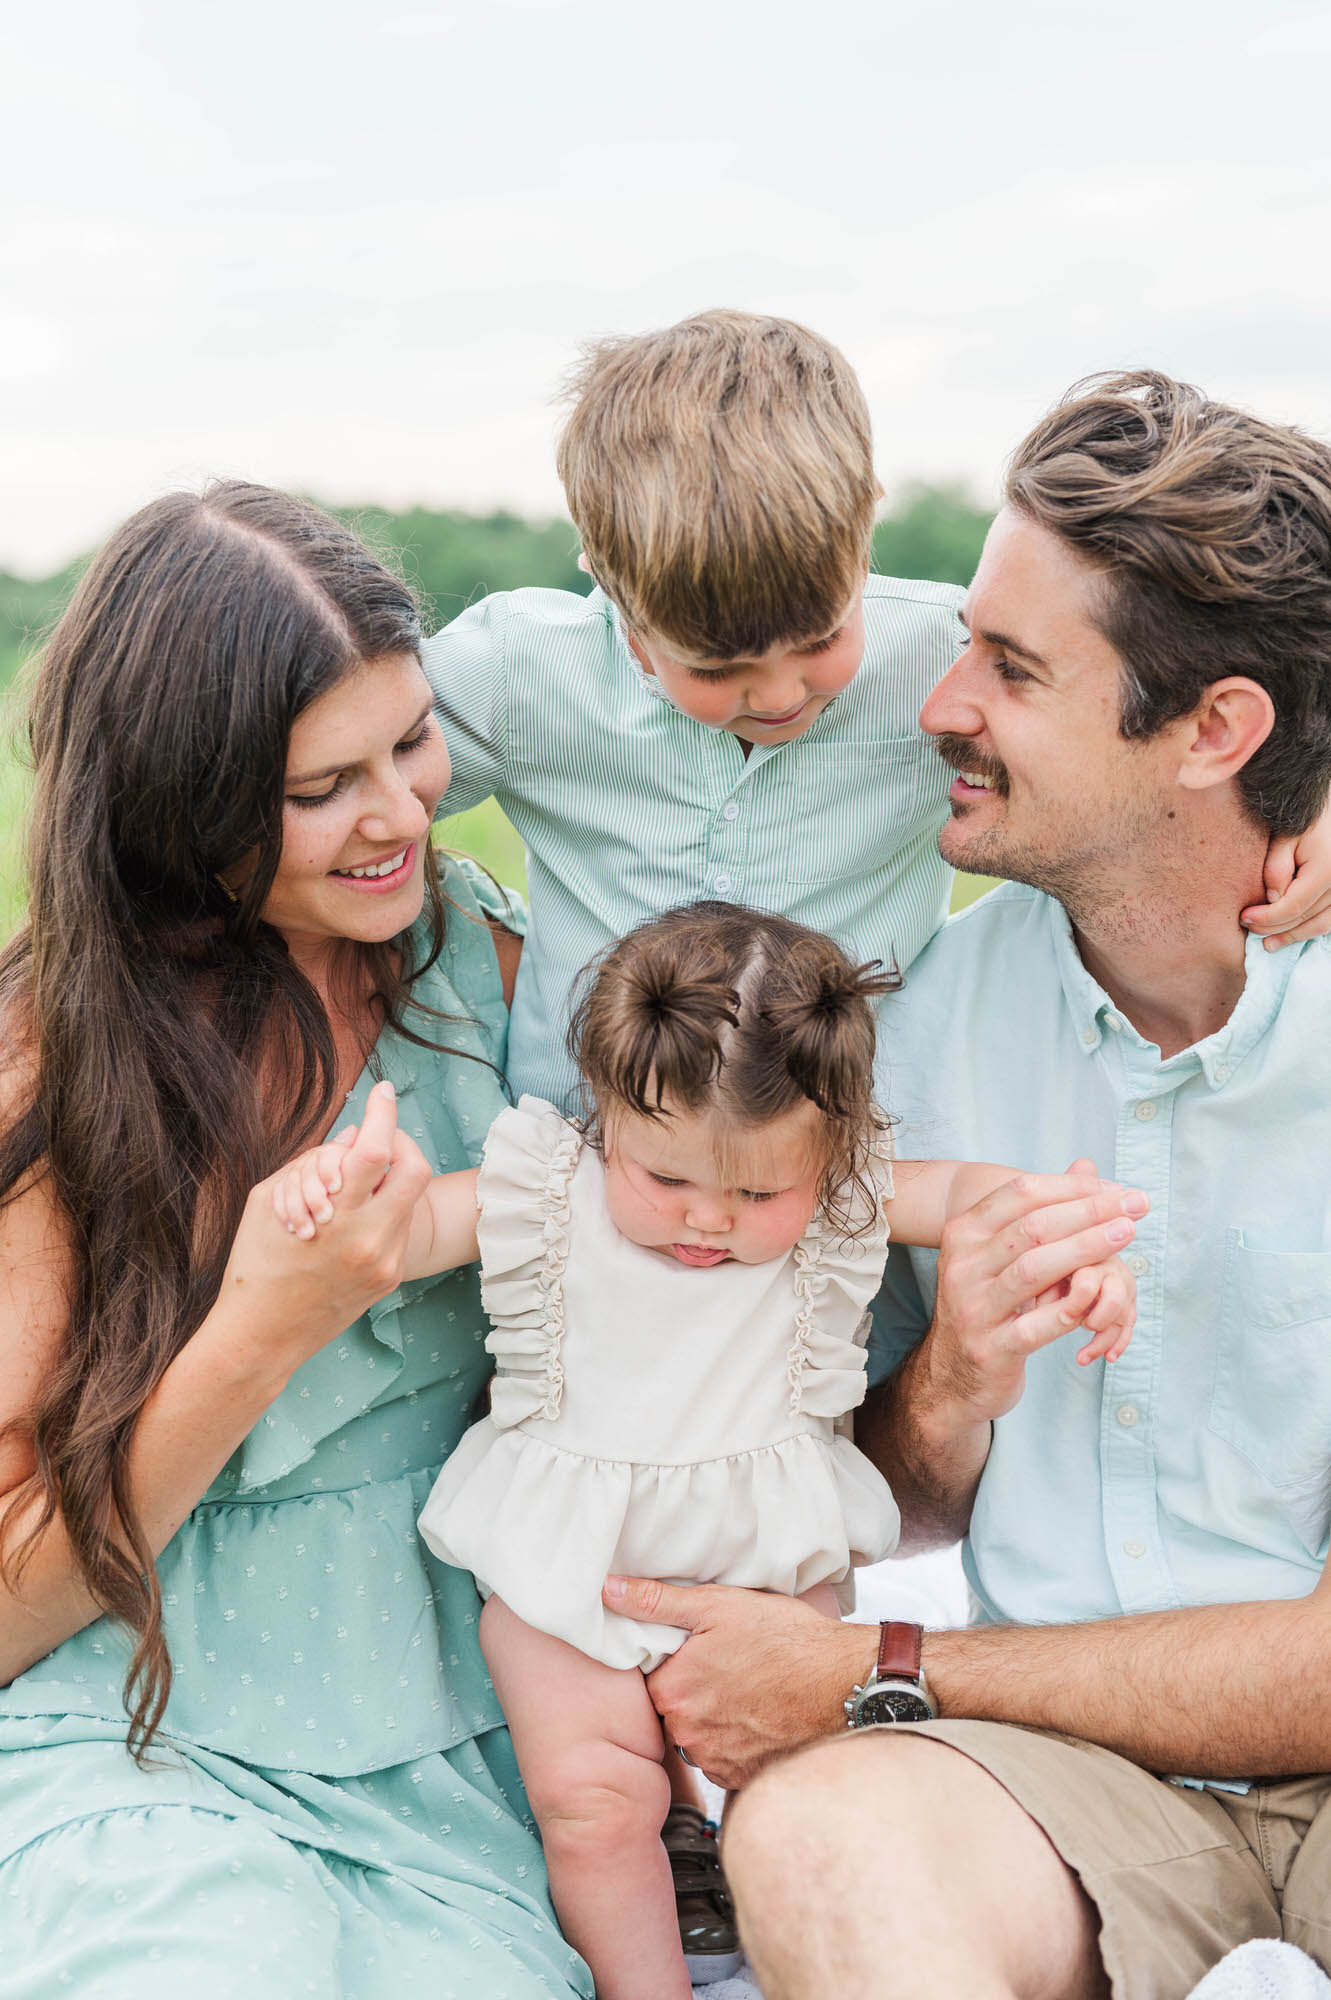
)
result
[(333, 1807)]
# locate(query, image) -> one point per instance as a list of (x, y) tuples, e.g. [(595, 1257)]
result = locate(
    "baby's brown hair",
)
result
[(714, 1005)]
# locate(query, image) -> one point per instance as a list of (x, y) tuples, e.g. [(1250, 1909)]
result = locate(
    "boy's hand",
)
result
[(303, 1195), (1297, 876)]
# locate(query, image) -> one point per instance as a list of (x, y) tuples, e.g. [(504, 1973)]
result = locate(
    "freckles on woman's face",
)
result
[(366, 769)]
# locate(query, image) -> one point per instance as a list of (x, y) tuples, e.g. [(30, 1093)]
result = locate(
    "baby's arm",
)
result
[(443, 1224), (931, 1192)]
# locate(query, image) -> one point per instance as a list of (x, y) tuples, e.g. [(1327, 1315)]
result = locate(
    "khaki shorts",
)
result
[(1179, 1877)]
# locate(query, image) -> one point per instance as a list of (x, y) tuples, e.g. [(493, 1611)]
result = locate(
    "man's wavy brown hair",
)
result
[(1213, 531)]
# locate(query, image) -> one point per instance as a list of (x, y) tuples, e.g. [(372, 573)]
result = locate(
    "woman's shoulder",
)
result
[(465, 985), (473, 890), (36, 1263)]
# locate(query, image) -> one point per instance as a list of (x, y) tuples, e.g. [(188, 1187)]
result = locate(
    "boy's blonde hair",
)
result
[(720, 473)]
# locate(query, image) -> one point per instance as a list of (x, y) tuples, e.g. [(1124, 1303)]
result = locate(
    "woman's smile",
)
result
[(380, 877)]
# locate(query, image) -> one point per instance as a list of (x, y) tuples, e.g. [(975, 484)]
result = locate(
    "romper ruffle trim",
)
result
[(522, 1196), (825, 1369), (531, 1156), (803, 1509)]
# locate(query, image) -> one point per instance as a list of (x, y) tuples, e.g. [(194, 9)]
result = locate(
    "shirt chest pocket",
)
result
[(1271, 1399), (849, 807)]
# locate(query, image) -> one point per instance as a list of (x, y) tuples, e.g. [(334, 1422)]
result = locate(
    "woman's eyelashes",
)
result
[(339, 784), (337, 787)]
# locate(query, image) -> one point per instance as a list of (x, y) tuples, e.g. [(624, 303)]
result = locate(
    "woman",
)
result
[(249, 1743)]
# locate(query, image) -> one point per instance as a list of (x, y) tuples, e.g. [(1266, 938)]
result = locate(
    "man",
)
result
[(1145, 699)]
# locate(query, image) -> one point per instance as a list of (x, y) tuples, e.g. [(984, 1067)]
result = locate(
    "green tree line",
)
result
[(453, 558)]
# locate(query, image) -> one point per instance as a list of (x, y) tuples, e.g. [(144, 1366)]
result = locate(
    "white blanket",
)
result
[(1264, 1970)]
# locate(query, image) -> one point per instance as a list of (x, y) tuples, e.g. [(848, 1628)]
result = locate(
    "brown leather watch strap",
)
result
[(899, 1651)]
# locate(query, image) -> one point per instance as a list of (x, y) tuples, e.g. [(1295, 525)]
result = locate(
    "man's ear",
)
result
[(1229, 725)]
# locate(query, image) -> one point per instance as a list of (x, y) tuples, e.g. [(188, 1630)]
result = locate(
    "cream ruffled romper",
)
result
[(651, 1418)]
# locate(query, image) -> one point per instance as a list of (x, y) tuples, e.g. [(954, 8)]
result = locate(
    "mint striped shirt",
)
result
[(627, 807)]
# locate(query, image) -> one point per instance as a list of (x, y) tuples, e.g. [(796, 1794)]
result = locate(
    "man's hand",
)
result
[(761, 1674), (1016, 1272)]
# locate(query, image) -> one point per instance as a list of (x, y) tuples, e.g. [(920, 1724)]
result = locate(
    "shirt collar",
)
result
[(1266, 976), (646, 680)]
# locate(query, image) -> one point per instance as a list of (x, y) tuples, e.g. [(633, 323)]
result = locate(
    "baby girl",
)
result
[(678, 1283)]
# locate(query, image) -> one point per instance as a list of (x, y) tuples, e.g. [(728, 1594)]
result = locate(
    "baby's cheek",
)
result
[(781, 1225), (632, 1216)]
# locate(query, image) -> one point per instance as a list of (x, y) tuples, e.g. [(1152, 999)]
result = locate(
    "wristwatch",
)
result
[(895, 1691)]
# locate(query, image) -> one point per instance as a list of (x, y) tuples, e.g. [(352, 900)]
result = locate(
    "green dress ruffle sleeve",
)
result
[(333, 1806)]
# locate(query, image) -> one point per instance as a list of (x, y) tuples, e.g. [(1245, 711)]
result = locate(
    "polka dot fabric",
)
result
[(333, 1807)]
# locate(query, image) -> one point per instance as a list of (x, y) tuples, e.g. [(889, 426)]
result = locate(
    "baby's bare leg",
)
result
[(589, 1745), (823, 1598)]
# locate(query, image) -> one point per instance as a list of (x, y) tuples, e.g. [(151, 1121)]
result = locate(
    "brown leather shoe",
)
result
[(706, 1915)]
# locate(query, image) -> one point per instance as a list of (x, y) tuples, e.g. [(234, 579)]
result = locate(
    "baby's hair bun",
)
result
[(814, 1004), (743, 1014), (670, 1044)]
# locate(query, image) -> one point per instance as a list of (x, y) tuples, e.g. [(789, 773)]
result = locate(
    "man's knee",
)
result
[(974, 1880), (815, 1807)]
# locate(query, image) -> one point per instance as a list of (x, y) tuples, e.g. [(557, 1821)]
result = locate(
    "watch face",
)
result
[(891, 1704)]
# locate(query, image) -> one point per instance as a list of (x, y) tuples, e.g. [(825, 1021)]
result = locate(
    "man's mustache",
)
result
[(960, 753)]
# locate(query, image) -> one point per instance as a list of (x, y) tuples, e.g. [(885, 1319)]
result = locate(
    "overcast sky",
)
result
[(351, 247)]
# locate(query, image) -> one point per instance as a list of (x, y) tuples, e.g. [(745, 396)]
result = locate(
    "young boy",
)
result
[(733, 711)]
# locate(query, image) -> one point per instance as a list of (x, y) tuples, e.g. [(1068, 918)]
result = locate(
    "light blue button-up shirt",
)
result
[(628, 807), (1197, 1469)]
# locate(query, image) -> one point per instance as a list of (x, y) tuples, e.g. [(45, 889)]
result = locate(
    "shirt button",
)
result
[(1221, 1072), (1146, 1110), (1139, 1266), (722, 884), (730, 811), (1127, 1415), (1134, 1548), (1113, 1021), (1090, 1037)]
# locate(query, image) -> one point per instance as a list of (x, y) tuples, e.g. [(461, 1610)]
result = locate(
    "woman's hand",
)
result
[(314, 1286), (1020, 1269)]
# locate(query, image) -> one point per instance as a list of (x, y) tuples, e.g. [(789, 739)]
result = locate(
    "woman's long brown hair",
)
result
[(141, 997)]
